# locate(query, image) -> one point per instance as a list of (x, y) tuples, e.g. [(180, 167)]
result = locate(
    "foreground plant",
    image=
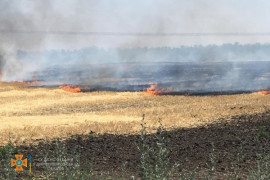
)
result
[(262, 169), (6, 153), (155, 162)]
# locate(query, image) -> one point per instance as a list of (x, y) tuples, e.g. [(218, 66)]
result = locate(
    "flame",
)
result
[(154, 90), (265, 92), (33, 81), (21, 80), (70, 88)]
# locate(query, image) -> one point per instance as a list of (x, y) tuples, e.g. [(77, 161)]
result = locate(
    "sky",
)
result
[(42, 17)]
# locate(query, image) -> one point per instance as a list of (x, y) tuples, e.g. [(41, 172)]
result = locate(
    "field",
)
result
[(108, 123), (31, 114)]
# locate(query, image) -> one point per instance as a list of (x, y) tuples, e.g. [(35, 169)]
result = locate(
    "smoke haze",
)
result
[(152, 16), (34, 27)]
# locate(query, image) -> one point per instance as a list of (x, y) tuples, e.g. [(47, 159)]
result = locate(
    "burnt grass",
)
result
[(233, 143)]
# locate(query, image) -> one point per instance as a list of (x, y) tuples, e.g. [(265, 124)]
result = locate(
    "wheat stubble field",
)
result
[(30, 114)]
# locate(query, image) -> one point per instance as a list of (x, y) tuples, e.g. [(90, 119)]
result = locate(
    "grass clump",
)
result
[(262, 168), (262, 133), (6, 153), (155, 162), (64, 165)]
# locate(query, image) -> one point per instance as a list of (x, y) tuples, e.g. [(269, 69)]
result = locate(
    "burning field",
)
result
[(104, 111), (30, 114), (98, 113), (134, 90)]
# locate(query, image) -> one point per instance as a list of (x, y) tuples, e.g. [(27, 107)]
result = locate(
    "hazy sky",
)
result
[(130, 16)]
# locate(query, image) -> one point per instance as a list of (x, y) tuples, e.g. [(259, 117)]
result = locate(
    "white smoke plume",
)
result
[(40, 25)]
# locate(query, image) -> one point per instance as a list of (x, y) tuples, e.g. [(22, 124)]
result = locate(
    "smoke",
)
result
[(34, 24), (34, 34), (13, 16), (1, 62)]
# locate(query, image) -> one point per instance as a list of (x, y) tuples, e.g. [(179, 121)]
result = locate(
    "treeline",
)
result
[(225, 52)]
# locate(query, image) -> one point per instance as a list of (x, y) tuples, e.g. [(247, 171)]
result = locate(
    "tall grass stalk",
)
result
[(155, 162)]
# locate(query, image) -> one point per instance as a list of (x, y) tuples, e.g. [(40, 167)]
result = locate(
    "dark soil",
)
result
[(246, 135)]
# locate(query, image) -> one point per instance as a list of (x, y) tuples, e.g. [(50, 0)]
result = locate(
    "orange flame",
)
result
[(70, 88), (33, 81), (265, 92), (154, 90), (21, 80)]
